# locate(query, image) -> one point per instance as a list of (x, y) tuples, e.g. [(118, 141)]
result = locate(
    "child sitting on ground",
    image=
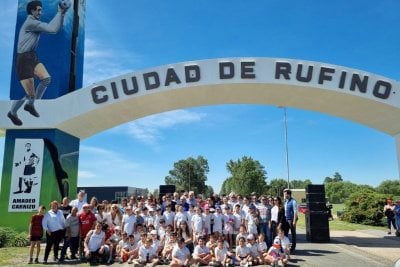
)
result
[(243, 253), (147, 254)]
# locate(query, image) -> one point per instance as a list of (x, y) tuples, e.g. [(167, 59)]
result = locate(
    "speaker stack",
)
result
[(317, 221), (167, 189)]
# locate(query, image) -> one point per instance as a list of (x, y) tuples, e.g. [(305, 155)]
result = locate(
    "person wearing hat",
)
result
[(281, 245), (291, 215)]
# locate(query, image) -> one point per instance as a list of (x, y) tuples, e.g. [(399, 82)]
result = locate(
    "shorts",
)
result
[(25, 65), (35, 238), (228, 232)]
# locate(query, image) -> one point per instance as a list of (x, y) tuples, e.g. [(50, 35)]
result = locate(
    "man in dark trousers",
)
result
[(291, 214)]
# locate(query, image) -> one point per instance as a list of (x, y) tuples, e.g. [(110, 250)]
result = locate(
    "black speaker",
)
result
[(315, 198), (318, 235), (315, 188), (316, 206), (317, 226), (317, 219), (167, 189), (315, 193)]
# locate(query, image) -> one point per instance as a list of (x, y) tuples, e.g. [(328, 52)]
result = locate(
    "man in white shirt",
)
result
[(79, 201), (53, 223)]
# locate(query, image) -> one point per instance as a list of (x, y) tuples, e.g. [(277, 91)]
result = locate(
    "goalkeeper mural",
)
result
[(28, 65)]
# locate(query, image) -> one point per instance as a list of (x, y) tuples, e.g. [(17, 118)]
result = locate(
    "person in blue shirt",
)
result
[(291, 215), (397, 217)]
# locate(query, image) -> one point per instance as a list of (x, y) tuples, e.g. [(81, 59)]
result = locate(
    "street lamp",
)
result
[(286, 146)]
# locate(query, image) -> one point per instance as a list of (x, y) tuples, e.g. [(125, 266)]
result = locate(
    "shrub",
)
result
[(20, 240), (365, 207), (10, 238)]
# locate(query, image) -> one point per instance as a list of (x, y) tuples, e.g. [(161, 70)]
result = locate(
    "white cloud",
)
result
[(86, 175), (149, 129), (103, 62), (101, 166)]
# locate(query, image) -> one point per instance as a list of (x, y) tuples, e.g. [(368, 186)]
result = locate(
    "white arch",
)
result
[(352, 94)]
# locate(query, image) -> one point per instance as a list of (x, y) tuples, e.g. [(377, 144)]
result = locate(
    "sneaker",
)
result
[(31, 109), (36, 260), (130, 261), (30, 261), (14, 119)]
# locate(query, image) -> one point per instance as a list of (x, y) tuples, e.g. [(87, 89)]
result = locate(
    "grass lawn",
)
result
[(17, 257), (337, 224)]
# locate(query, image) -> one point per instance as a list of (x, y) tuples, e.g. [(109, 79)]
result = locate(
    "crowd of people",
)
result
[(178, 229)]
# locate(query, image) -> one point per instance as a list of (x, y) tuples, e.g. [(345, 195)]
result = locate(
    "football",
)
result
[(64, 4)]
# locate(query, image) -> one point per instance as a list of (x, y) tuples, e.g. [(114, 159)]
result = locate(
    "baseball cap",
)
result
[(250, 237)]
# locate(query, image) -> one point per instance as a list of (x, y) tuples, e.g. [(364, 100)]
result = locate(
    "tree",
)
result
[(390, 187), (339, 192), (189, 174), (336, 178), (300, 183), (247, 176), (209, 191), (227, 187), (365, 207), (276, 187)]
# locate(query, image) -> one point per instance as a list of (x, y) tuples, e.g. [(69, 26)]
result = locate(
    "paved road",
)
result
[(367, 248), (349, 248)]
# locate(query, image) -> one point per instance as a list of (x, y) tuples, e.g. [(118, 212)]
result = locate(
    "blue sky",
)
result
[(124, 36)]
